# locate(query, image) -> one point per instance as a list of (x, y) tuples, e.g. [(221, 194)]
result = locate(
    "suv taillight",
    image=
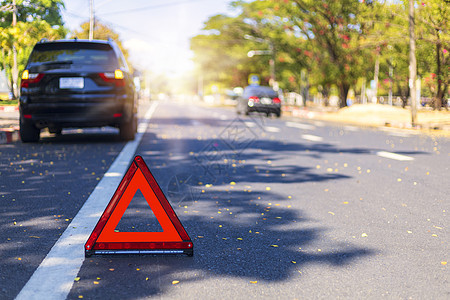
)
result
[(276, 100), (30, 78), (115, 77)]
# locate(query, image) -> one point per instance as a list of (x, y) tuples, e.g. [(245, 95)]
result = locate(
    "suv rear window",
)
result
[(74, 53)]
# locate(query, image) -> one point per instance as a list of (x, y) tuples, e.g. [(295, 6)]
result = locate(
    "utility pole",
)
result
[(273, 82), (91, 21), (14, 71), (376, 73), (412, 63)]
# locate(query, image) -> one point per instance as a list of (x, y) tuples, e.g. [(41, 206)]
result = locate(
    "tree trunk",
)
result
[(343, 92), (439, 94), (326, 94)]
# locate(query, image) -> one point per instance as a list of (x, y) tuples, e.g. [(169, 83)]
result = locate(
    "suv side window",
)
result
[(122, 61)]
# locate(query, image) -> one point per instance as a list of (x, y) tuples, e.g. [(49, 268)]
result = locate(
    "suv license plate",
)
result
[(71, 82)]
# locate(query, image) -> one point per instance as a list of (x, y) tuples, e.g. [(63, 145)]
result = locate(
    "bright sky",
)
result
[(156, 32)]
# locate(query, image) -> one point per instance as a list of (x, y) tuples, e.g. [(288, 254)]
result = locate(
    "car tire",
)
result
[(57, 131), (127, 130), (28, 132), (278, 114)]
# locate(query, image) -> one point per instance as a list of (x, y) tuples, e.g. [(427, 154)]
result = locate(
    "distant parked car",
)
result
[(76, 83), (261, 99)]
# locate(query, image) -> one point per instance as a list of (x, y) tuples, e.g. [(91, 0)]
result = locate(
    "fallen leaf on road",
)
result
[(254, 281), (175, 282), (275, 246), (96, 282), (364, 235), (444, 263), (76, 279)]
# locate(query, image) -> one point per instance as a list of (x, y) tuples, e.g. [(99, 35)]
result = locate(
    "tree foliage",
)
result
[(335, 42), (36, 19)]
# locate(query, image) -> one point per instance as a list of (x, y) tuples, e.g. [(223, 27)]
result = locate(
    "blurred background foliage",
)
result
[(325, 46), (335, 45)]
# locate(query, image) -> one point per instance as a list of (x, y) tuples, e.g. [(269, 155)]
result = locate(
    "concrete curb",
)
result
[(9, 135), (9, 108)]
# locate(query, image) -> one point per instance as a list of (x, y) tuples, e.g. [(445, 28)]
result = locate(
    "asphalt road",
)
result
[(276, 208)]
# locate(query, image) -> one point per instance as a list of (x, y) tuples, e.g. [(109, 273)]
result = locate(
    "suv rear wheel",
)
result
[(28, 132), (128, 129)]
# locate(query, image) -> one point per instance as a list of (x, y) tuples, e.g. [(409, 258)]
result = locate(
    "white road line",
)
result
[(54, 277), (250, 124), (272, 129), (312, 138), (351, 128), (300, 125), (394, 156)]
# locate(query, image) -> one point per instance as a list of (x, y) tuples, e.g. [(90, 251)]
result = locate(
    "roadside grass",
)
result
[(9, 102)]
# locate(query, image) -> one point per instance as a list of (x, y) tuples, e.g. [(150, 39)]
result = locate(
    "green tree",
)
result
[(433, 19), (35, 19), (335, 33), (30, 10), (221, 52)]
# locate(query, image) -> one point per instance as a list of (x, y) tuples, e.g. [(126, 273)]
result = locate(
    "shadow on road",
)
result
[(254, 235)]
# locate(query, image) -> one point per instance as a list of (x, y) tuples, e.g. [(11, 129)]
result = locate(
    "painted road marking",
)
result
[(312, 138), (351, 128), (272, 129), (394, 156), (250, 124), (300, 125), (54, 277)]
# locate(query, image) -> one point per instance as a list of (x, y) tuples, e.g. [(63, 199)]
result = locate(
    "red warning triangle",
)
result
[(172, 240)]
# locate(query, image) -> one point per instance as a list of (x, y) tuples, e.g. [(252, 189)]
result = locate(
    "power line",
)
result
[(149, 7)]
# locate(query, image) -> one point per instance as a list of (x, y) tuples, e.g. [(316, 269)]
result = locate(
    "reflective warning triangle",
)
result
[(105, 240)]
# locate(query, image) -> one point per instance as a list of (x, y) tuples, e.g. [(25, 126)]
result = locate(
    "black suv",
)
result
[(76, 83)]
